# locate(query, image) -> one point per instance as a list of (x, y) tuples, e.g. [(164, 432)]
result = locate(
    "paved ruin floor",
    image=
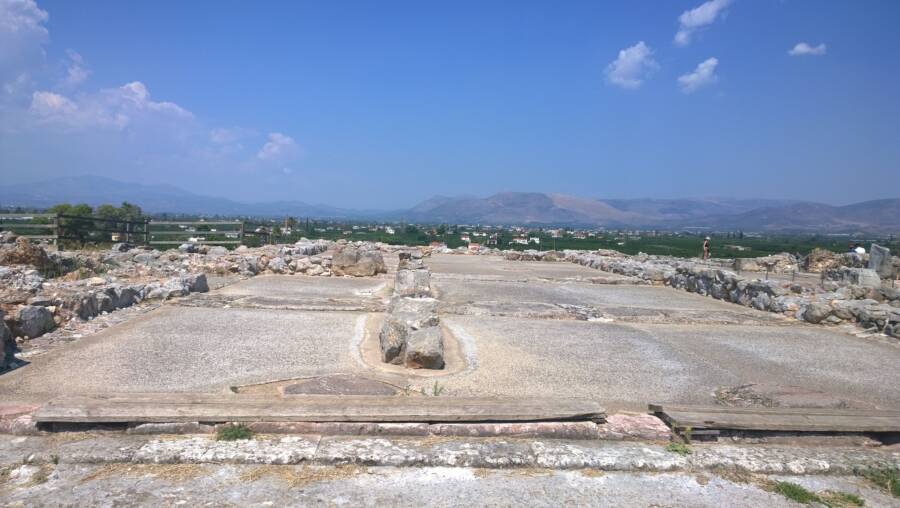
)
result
[(239, 485), (525, 328)]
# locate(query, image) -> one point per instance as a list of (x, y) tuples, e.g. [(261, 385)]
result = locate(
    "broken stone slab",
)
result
[(414, 283), (393, 338), (880, 261), (172, 428), (339, 384), (425, 349), (33, 321), (636, 427)]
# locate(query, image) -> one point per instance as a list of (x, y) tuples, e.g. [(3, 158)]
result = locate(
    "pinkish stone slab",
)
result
[(641, 427)]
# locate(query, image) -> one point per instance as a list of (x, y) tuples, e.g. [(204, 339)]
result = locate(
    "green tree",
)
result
[(77, 223), (131, 212)]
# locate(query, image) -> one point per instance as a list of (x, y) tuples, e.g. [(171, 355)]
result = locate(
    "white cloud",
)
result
[(110, 131), (692, 20), (22, 39), (48, 104), (278, 147), (229, 135), (632, 66), (802, 49), (76, 71), (703, 75), (115, 107)]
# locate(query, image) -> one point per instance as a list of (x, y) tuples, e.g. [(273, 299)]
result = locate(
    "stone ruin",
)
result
[(45, 292), (411, 335)]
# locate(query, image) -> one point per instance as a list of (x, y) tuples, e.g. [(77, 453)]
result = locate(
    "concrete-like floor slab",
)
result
[(189, 349), (300, 286), (630, 365), (449, 266)]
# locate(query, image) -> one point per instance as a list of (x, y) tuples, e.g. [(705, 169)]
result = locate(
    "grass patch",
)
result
[(234, 433), (887, 479), (795, 492), (841, 499), (679, 448)]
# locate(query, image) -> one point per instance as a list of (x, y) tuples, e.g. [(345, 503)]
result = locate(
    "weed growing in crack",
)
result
[(234, 433)]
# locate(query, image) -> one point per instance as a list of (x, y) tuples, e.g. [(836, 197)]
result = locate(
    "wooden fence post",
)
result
[(57, 229)]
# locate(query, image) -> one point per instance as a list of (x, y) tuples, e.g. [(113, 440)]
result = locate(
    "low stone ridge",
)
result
[(411, 333)]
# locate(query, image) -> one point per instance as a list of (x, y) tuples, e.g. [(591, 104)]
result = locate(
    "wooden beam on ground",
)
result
[(777, 419), (147, 408)]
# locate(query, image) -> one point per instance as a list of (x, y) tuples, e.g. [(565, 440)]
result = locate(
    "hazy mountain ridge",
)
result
[(95, 190), (523, 208)]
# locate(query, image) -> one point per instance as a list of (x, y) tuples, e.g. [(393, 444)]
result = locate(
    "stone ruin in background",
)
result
[(411, 334)]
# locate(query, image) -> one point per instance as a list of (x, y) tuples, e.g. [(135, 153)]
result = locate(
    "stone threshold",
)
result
[(489, 453)]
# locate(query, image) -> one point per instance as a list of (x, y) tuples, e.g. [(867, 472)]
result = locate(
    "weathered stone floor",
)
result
[(232, 485), (103, 470), (524, 328)]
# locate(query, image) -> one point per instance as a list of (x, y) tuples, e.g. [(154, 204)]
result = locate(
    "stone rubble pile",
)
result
[(411, 333)]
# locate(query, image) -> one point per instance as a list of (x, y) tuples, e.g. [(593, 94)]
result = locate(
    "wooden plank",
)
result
[(200, 242), (774, 410), (194, 233), (177, 223), (779, 419), (39, 237), (136, 408), (25, 215), (26, 226)]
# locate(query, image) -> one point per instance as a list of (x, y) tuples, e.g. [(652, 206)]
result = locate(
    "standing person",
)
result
[(706, 248)]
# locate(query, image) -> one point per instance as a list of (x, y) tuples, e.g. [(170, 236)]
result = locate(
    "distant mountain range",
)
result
[(97, 190), (523, 208)]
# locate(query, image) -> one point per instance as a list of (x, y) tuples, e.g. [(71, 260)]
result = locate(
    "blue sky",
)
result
[(383, 104)]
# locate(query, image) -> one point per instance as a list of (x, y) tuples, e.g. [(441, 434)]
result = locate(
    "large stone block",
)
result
[(863, 277), (417, 313), (415, 283), (880, 261), (393, 340), (350, 260), (34, 321), (425, 349)]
